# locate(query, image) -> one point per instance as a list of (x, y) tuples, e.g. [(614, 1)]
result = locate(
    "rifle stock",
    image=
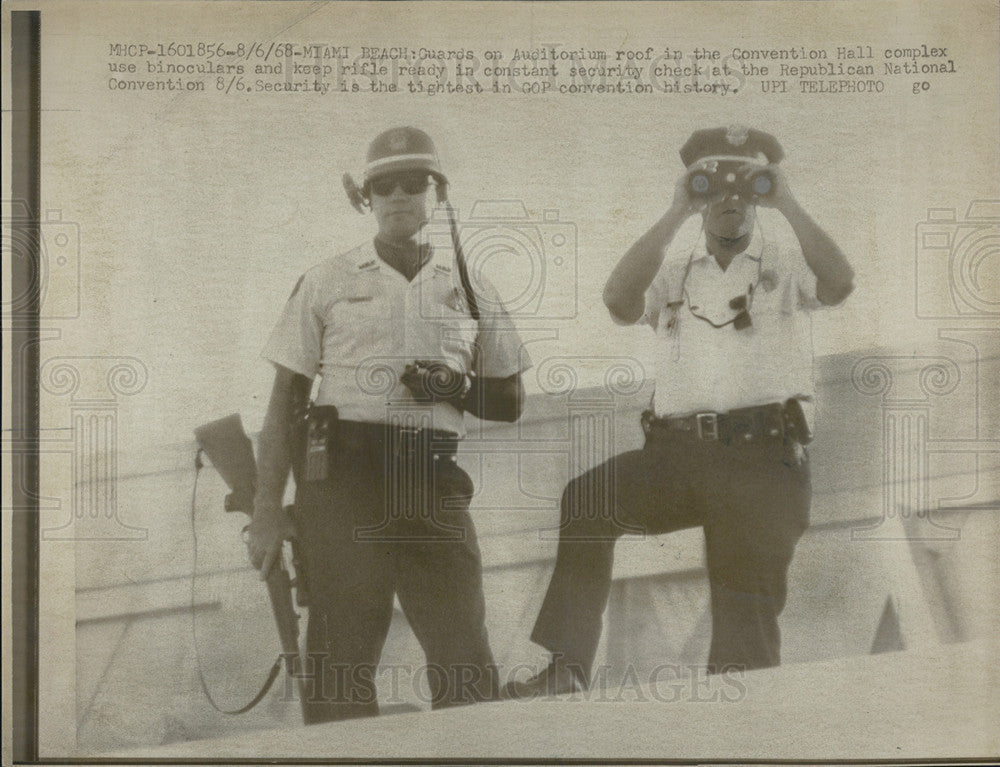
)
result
[(229, 449)]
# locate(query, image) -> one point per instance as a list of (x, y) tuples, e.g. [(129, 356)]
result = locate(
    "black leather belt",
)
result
[(743, 425), (396, 440)]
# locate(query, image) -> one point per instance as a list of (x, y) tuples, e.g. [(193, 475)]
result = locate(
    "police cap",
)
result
[(402, 149), (733, 142)]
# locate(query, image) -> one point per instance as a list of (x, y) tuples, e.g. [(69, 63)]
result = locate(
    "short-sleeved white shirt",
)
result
[(703, 368), (357, 322)]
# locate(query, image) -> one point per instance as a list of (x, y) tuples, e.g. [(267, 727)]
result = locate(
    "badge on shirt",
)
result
[(768, 280), (456, 301)]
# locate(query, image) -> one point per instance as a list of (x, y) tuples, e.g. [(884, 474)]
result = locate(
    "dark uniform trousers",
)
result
[(752, 501), (391, 521)]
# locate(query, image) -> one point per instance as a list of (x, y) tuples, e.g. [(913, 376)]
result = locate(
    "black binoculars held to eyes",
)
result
[(717, 177)]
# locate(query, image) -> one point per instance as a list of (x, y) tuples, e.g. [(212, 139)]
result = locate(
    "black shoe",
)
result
[(556, 679)]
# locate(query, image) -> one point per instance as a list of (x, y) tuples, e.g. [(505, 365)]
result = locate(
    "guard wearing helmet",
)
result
[(730, 305), (403, 346)]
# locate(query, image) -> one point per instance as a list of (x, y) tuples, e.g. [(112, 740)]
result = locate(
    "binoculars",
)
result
[(719, 177)]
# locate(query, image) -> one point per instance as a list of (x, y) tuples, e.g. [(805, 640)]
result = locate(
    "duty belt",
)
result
[(395, 440), (744, 425)]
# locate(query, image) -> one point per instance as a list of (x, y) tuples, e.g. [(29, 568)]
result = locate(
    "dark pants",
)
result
[(381, 525), (752, 501)]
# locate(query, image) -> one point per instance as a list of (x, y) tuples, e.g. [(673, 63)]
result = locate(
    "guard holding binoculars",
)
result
[(403, 346), (729, 307)]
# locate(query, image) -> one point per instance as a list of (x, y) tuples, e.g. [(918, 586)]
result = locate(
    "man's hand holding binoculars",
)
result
[(686, 203), (779, 196)]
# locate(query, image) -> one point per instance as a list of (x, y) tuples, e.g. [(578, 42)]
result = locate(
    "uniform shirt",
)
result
[(702, 368), (357, 322)]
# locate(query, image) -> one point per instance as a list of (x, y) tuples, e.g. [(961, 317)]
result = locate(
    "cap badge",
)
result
[(737, 134), (397, 141)]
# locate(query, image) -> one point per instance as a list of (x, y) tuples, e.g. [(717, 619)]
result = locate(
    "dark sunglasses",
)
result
[(412, 183)]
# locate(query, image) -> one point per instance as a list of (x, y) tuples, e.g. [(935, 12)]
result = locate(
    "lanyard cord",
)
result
[(275, 669), (750, 290)]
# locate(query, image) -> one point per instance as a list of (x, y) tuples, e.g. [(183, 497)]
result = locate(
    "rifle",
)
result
[(229, 449)]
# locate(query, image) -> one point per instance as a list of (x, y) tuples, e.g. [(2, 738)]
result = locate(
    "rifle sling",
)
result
[(275, 669)]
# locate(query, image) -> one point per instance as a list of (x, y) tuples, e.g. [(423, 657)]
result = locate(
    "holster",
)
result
[(796, 423), (312, 432), (310, 442)]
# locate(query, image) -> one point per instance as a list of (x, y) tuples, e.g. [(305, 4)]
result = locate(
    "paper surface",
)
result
[(192, 155)]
